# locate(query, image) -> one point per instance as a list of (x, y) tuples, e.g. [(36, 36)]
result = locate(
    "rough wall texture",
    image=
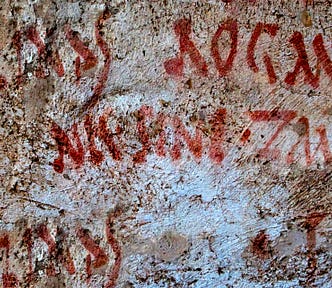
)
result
[(165, 143)]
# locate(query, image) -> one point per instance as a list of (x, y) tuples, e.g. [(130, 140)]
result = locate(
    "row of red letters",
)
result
[(183, 31), (175, 66), (97, 257), (60, 255), (151, 133), (49, 56)]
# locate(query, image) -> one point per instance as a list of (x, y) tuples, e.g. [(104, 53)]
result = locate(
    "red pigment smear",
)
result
[(194, 143), (100, 257), (114, 275), (88, 268), (62, 255), (108, 137), (174, 66), (323, 144), (273, 115), (65, 147), (311, 223), (143, 135), (52, 59), (9, 280), (245, 136), (5, 243), (302, 63), (17, 42), (290, 157), (225, 66), (28, 241), (308, 2), (270, 29), (324, 60), (79, 46), (230, 1), (217, 122), (259, 245), (96, 156), (78, 69), (100, 86)]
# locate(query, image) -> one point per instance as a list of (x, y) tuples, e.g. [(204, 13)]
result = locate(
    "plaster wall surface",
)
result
[(165, 143)]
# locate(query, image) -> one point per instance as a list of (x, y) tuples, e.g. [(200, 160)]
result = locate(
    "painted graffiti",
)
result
[(59, 258), (183, 31), (204, 137), (199, 157), (49, 56)]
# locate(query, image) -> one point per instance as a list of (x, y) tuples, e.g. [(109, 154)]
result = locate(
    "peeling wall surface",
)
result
[(165, 143)]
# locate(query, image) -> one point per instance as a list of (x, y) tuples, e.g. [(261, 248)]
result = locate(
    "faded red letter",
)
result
[(216, 152), (174, 66), (271, 29), (302, 63), (65, 147), (322, 56), (224, 67), (194, 143), (323, 144), (274, 115)]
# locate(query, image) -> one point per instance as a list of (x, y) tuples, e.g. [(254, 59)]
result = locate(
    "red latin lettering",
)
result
[(194, 143), (96, 156), (217, 122), (271, 29), (224, 67), (302, 63), (100, 257), (323, 144), (144, 113), (322, 56), (102, 79), (89, 58), (107, 136), (174, 66), (62, 255), (51, 58), (65, 147), (274, 115)]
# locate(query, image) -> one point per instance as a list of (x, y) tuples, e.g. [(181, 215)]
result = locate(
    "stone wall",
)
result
[(165, 143)]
